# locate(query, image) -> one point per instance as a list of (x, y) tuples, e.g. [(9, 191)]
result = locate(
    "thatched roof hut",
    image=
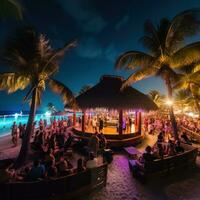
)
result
[(108, 94)]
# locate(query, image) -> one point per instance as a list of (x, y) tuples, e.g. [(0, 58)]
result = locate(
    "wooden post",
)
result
[(139, 122), (83, 121), (74, 118), (120, 122), (136, 122)]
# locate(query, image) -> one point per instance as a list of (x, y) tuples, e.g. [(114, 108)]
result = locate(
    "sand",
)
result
[(121, 185)]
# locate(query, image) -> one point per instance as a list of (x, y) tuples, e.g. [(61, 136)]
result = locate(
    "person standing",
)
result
[(100, 124), (94, 124)]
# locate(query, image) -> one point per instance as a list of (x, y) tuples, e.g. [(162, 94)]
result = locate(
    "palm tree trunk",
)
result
[(171, 110), (25, 148)]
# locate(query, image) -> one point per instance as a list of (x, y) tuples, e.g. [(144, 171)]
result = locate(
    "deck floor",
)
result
[(107, 130)]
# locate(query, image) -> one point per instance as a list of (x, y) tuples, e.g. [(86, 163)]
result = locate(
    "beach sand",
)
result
[(121, 185), (6, 148)]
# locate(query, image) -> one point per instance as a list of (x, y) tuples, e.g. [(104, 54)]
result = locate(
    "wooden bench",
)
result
[(67, 187), (163, 166)]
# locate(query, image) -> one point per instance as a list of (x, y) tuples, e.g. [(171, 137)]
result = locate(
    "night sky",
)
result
[(104, 29)]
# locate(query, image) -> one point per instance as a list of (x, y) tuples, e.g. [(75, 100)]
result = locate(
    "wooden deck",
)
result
[(114, 140)]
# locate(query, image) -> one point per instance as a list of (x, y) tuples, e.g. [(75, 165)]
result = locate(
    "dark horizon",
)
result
[(104, 30)]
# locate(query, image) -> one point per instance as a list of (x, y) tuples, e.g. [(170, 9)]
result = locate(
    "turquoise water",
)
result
[(6, 121)]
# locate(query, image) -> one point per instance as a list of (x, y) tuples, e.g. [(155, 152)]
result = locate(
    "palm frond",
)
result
[(186, 55), (133, 59), (62, 90), (51, 66), (43, 47), (166, 70), (185, 24), (196, 69), (10, 9), (139, 75), (20, 51), (13, 82), (157, 97)]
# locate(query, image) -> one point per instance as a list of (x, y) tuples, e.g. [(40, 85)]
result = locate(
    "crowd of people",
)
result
[(166, 145), (17, 132), (54, 156), (52, 144), (99, 123), (157, 123), (189, 123), (161, 149)]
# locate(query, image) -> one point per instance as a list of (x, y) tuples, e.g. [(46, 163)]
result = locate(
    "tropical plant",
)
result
[(33, 63), (51, 107), (10, 9), (157, 97), (84, 89), (189, 80), (166, 52), (181, 99)]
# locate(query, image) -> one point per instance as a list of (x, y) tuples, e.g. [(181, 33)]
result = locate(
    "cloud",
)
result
[(111, 53), (89, 48), (86, 17), (122, 22)]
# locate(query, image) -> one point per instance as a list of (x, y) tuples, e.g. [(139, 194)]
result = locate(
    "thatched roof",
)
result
[(107, 94)]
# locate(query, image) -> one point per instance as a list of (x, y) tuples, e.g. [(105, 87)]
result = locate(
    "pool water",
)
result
[(6, 121)]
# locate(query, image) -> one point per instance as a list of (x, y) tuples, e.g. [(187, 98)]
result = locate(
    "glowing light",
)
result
[(47, 114), (191, 114), (16, 115), (169, 102)]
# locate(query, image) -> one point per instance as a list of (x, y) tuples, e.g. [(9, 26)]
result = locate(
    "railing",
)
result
[(192, 133), (70, 186)]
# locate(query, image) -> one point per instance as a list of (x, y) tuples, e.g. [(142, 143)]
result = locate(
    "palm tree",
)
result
[(165, 54), (51, 107), (10, 9), (84, 89), (181, 99), (33, 63), (157, 97), (189, 80)]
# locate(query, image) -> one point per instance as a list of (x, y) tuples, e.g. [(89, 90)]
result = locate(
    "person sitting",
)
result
[(68, 142), (147, 156), (171, 148), (37, 171), (26, 174), (160, 150), (49, 157), (64, 167), (80, 166), (92, 162), (6, 175), (185, 138), (179, 148), (94, 144), (52, 170), (102, 141), (160, 140)]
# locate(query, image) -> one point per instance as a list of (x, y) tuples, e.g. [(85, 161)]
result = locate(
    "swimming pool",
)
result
[(6, 121)]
